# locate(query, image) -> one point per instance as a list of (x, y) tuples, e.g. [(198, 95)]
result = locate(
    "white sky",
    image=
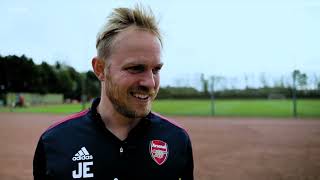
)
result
[(225, 38)]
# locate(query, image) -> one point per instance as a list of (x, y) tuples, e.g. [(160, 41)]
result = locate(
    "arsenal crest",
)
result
[(159, 151)]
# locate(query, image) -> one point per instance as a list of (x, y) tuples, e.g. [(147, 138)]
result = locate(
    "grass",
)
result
[(239, 108), (242, 108), (53, 109)]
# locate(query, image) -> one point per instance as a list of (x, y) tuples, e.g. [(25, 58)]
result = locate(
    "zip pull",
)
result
[(121, 150)]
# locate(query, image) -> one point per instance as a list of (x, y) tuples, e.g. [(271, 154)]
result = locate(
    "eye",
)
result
[(156, 70), (135, 69)]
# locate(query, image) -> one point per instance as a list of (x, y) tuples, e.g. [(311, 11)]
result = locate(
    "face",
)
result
[(132, 75)]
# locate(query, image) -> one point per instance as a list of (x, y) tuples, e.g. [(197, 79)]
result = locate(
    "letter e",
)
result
[(86, 169)]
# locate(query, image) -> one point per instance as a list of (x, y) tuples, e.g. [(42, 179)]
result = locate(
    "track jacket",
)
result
[(80, 147)]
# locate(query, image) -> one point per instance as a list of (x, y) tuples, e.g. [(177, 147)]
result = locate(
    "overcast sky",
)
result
[(225, 38)]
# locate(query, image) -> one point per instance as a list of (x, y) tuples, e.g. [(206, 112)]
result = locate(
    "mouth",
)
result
[(141, 96)]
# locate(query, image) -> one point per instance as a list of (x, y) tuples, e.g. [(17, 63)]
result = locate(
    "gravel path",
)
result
[(224, 148)]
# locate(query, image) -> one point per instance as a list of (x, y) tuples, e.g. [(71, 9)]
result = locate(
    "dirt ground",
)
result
[(224, 148)]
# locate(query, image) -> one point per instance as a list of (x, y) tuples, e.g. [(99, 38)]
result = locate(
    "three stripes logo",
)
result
[(83, 170), (82, 154)]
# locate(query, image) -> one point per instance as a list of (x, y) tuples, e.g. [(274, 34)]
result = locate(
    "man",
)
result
[(119, 137)]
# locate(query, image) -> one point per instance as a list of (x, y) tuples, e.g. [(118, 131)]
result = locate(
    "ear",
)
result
[(98, 66)]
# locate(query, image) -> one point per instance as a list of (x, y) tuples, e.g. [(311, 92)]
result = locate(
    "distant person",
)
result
[(119, 138), (19, 101)]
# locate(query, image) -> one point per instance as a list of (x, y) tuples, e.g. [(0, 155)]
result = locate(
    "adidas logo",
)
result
[(82, 154)]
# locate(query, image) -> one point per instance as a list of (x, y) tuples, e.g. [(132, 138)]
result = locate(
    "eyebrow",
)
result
[(139, 64), (160, 64)]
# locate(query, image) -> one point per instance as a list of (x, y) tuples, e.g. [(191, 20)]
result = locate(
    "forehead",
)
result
[(136, 44)]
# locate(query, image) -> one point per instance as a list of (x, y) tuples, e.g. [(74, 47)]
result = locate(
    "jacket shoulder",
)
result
[(67, 122), (169, 123)]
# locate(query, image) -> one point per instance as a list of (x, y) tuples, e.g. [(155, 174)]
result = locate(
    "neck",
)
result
[(115, 122)]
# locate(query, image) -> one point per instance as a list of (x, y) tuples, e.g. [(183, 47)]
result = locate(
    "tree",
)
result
[(65, 83), (204, 84), (17, 74), (47, 79), (3, 75), (263, 80), (76, 89), (300, 79), (92, 85)]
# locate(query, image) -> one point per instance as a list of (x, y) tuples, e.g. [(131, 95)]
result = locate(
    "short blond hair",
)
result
[(121, 19)]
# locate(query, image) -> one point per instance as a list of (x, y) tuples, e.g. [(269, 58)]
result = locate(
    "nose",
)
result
[(148, 80)]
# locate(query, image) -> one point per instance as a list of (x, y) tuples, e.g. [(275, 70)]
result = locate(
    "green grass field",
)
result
[(239, 108)]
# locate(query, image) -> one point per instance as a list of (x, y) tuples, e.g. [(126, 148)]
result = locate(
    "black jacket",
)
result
[(80, 147)]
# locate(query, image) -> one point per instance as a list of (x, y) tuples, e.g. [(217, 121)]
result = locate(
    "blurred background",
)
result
[(221, 57), (242, 77)]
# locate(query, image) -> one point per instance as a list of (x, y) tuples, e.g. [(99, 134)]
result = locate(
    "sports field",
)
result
[(229, 108), (223, 148), (238, 108)]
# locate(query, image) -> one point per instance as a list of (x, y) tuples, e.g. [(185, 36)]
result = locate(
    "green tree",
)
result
[(64, 83), (205, 84), (300, 79), (92, 85)]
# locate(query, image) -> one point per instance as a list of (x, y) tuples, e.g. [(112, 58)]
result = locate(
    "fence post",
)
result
[(294, 93), (212, 96)]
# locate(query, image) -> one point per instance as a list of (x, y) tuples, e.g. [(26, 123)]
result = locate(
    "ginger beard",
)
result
[(123, 101)]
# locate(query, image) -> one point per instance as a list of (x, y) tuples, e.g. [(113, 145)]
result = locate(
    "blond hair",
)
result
[(119, 20)]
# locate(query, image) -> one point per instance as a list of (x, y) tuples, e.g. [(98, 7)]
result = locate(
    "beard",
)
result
[(120, 99)]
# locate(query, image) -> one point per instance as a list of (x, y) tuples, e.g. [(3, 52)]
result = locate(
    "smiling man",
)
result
[(119, 137)]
